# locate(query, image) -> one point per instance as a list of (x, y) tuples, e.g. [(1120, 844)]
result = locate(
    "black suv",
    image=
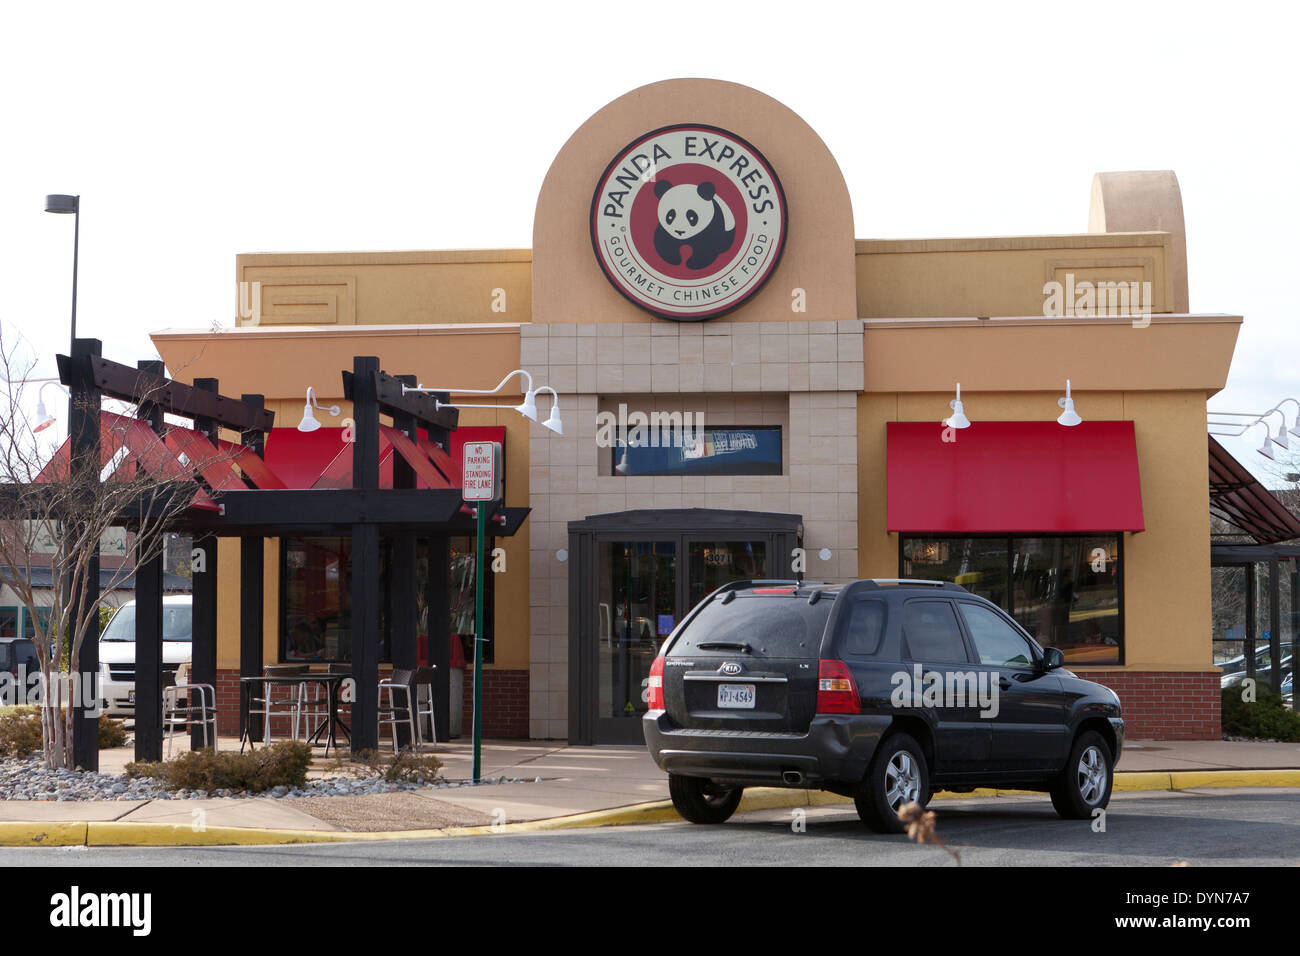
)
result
[(882, 691)]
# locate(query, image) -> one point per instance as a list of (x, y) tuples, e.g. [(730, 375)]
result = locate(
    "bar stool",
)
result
[(199, 707), (396, 705), (276, 700)]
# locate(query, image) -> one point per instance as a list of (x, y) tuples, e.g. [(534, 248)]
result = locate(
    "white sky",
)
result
[(195, 132)]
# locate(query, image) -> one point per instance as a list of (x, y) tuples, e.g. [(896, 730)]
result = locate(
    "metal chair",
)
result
[(423, 684), (396, 700), (198, 707), (276, 700), (406, 698)]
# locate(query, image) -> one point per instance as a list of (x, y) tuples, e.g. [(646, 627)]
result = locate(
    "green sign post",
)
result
[(481, 486), (482, 510)]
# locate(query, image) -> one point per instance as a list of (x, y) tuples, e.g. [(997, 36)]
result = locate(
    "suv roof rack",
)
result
[(875, 583), (772, 583)]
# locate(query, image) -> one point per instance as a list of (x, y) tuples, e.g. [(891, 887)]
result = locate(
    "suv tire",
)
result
[(898, 775), (1084, 785), (700, 800)]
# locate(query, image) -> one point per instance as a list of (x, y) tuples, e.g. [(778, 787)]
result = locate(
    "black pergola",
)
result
[(257, 506), (1239, 499)]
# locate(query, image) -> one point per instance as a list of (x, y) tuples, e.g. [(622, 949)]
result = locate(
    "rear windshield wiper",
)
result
[(724, 646)]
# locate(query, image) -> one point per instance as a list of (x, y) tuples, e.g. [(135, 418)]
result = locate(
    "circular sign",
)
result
[(688, 221)]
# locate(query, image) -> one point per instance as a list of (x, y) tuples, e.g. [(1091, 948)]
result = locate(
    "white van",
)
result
[(117, 652)]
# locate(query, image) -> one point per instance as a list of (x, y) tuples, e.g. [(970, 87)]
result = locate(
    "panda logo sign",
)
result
[(688, 221)]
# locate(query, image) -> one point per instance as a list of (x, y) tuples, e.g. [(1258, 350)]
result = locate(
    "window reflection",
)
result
[(1063, 590)]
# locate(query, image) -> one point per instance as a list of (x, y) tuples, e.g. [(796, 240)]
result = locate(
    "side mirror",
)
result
[(1052, 659)]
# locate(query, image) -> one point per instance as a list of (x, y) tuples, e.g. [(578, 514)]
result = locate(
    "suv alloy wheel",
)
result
[(1084, 785), (700, 800), (898, 776)]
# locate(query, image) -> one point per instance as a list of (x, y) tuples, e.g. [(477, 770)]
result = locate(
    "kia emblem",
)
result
[(730, 668)]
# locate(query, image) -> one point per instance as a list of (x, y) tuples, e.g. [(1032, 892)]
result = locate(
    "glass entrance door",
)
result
[(712, 564), (633, 577), (636, 609), (642, 592)]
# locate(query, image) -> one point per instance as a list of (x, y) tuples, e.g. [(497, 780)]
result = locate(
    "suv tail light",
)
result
[(656, 685), (836, 692)]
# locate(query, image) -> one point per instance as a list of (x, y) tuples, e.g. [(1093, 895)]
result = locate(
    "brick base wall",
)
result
[(227, 703), (505, 704), (1165, 705)]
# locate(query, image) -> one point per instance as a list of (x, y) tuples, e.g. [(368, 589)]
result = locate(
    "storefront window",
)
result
[(461, 580), (315, 599), (1063, 590), (8, 622), (724, 450), (29, 624)]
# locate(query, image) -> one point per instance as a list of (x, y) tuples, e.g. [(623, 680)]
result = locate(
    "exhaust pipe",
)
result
[(792, 778)]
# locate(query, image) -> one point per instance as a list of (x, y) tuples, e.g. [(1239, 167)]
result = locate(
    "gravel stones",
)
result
[(25, 779)]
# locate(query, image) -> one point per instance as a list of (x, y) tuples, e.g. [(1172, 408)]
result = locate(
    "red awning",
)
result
[(300, 458), (1013, 478)]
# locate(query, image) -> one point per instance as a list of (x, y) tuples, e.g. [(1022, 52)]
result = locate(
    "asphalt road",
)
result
[(1225, 827)]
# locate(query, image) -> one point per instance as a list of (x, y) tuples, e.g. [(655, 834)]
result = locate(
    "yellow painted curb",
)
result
[(1195, 779), (182, 834), (755, 798), (42, 834), (1142, 780)]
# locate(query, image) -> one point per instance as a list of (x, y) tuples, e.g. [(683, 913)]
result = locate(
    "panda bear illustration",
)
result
[(694, 216)]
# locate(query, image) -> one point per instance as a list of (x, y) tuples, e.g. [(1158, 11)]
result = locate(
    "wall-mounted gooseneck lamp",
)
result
[(1236, 429), (958, 417), (43, 418), (527, 408), (309, 422), (1069, 417)]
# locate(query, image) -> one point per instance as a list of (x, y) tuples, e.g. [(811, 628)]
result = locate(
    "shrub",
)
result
[(279, 765), (112, 733), (413, 767), (20, 731), (1266, 717)]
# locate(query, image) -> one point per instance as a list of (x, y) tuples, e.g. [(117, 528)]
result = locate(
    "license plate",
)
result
[(130, 697), (740, 696)]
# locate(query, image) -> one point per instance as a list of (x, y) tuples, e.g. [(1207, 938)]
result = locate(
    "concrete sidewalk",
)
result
[(564, 781)]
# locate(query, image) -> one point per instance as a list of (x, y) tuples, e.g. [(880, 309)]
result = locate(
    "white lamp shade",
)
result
[(308, 423), (43, 418), (528, 408), (958, 417), (554, 423), (1069, 417)]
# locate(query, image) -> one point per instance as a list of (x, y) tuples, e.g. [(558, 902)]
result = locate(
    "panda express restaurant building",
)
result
[(694, 262)]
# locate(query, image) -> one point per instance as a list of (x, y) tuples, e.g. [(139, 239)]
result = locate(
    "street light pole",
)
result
[(59, 203)]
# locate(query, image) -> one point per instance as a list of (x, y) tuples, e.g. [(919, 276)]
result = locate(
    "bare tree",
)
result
[(53, 512)]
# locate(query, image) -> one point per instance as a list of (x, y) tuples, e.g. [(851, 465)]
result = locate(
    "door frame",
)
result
[(782, 532)]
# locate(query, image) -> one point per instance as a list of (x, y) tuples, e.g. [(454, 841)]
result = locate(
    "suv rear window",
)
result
[(772, 626), (861, 633)]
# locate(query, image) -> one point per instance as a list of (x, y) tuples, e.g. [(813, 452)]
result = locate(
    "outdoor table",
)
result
[(330, 682)]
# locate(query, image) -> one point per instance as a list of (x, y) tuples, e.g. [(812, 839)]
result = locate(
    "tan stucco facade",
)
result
[(848, 335)]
